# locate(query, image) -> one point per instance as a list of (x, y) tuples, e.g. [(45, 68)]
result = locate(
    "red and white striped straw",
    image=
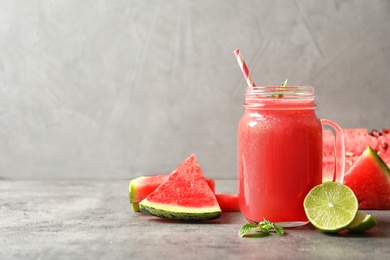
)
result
[(244, 69)]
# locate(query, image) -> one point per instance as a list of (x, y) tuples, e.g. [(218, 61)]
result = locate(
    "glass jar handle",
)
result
[(339, 150)]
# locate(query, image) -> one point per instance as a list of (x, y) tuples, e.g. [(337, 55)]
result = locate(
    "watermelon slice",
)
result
[(383, 148), (141, 187), (227, 202), (369, 178), (356, 141), (184, 196)]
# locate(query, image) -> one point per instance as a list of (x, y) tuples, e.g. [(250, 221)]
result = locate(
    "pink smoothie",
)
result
[(279, 161)]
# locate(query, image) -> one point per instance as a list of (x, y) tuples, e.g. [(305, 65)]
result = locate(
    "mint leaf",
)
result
[(266, 225), (262, 229), (247, 228), (278, 229), (283, 85)]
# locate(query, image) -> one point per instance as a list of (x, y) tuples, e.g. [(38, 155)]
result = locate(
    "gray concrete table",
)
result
[(94, 220)]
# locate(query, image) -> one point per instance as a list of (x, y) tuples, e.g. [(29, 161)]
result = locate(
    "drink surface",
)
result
[(279, 161)]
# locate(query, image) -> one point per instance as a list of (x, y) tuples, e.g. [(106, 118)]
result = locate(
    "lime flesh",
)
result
[(362, 222), (331, 206)]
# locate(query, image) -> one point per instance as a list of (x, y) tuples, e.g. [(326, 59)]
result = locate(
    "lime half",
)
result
[(331, 206), (362, 222)]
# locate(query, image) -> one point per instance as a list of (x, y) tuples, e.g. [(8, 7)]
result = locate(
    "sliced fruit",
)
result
[(135, 206), (141, 187), (383, 148), (227, 202), (185, 196), (331, 206), (356, 141), (362, 222), (369, 178)]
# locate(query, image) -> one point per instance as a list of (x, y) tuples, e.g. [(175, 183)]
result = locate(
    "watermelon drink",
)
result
[(279, 153)]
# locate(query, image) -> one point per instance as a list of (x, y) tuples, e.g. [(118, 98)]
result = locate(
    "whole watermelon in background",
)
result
[(356, 142)]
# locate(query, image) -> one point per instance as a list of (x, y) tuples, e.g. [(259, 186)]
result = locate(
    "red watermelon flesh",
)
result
[(185, 196), (383, 148), (141, 187), (369, 178), (227, 202), (356, 141)]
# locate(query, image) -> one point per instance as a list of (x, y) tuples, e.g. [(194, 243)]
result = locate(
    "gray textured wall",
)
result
[(115, 89)]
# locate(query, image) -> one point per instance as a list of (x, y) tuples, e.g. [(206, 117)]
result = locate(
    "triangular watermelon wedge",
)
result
[(185, 195), (142, 186), (369, 178)]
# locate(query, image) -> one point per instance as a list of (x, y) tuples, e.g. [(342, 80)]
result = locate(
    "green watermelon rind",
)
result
[(174, 212), (133, 189), (372, 153), (135, 206)]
